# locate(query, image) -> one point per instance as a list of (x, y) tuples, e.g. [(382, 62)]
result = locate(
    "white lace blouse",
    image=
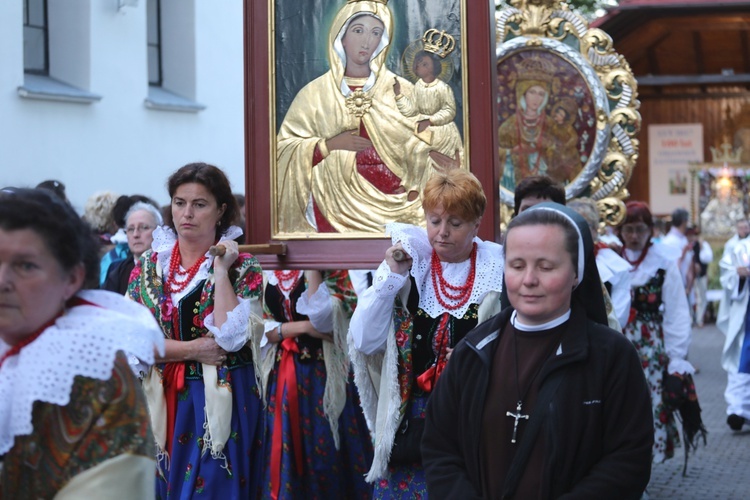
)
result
[(372, 319)]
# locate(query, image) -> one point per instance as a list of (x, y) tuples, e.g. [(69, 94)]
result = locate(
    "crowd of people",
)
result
[(290, 384), (550, 364)]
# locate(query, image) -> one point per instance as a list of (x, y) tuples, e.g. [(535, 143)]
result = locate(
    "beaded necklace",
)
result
[(443, 288), (171, 283), (283, 276)]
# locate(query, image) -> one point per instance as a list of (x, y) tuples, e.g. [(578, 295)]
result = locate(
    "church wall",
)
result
[(682, 105)]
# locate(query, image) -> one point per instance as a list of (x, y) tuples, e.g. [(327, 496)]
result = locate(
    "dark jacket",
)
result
[(598, 429), (118, 275)]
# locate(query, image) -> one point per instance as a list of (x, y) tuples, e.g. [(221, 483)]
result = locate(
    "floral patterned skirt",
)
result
[(191, 472), (647, 336), (405, 482), (327, 472)]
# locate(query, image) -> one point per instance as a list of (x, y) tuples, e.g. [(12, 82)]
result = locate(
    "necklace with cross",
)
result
[(518, 416)]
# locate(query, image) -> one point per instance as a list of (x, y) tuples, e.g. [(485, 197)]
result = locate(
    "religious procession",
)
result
[(452, 272)]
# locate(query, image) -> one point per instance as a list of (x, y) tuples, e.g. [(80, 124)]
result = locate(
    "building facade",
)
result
[(117, 94)]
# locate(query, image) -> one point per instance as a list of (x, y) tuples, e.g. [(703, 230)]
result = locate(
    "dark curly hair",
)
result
[(214, 179), (68, 237)]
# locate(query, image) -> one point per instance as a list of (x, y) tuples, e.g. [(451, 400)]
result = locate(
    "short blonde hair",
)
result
[(458, 191), (98, 211)]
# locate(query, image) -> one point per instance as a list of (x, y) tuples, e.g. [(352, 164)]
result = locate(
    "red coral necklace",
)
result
[(172, 283), (283, 276), (637, 262), (443, 288)]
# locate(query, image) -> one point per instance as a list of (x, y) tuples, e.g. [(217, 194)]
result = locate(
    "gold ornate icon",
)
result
[(590, 89)]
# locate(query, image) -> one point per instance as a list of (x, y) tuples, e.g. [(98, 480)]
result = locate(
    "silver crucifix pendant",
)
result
[(517, 416)]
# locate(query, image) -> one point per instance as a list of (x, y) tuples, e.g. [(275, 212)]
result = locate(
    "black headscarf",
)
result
[(588, 294)]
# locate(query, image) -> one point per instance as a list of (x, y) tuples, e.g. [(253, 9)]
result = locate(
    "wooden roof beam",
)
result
[(669, 80)]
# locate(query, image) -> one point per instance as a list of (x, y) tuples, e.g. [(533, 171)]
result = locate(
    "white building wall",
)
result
[(117, 143)]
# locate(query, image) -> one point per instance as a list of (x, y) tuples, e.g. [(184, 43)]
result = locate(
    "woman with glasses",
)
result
[(140, 222), (659, 322)]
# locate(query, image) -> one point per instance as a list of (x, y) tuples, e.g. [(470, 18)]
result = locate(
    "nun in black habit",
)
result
[(543, 400)]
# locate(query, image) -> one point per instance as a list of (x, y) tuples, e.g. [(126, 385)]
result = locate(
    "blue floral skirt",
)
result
[(191, 472), (405, 482), (327, 472)]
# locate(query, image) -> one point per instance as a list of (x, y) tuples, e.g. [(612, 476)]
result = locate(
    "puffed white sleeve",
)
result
[(676, 321), (233, 334), (372, 318), (318, 308)]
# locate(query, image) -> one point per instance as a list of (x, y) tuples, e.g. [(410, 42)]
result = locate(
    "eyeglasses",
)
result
[(640, 229), (142, 228)]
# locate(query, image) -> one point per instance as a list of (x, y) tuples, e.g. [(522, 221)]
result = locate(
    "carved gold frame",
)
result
[(551, 25)]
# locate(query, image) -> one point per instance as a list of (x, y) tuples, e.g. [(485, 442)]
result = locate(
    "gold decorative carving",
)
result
[(358, 103), (439, 43), (540, 20)]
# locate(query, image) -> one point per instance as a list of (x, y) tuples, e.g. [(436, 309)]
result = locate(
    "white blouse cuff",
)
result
[(317, 308), (233, 334), (269, 325), (386, 283), (680, 366)]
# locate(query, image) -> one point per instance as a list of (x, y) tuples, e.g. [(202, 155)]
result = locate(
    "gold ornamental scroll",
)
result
[(585, 132)]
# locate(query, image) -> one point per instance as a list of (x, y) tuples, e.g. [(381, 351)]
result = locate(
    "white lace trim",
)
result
[(83, 342), (488, 274), (233, 334)]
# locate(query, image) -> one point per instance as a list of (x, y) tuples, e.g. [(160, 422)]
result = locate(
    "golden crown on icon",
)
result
[(535, 68), (384, 2), (438, 42)]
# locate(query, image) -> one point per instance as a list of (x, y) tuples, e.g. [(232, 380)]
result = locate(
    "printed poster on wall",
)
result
[(671, 149)]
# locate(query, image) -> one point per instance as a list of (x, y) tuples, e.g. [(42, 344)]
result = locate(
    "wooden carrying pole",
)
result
[(267, 249)]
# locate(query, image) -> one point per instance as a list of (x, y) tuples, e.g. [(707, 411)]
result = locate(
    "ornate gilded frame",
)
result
[(548, 26), (310, 250)]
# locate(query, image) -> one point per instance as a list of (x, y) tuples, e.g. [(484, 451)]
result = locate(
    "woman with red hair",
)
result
[(659, 321)]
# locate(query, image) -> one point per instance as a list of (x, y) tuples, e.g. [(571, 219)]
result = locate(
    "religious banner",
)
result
[(566, 106), (363, 100), (368, 105), (672, 148)]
